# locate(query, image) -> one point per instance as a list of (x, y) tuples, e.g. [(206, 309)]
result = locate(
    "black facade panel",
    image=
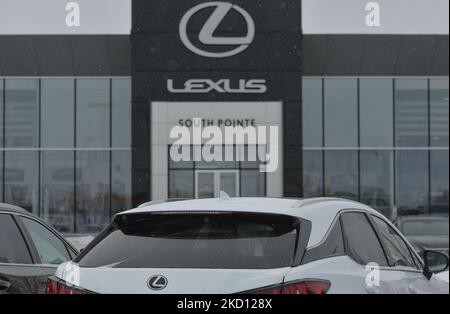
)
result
[(166, 52), (380, 55), (163, 16), (416, 55), (282, 86), (441, 56), (71, 55), (275, 55), (375, 55)]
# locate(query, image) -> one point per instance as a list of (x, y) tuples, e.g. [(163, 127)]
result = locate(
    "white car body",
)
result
[(344, 274)]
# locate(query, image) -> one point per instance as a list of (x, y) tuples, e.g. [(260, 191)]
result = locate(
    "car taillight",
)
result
[(55, 286), (300, 287)]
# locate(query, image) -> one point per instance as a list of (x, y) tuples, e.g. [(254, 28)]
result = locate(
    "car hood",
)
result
[(429, 242), (108, 280)]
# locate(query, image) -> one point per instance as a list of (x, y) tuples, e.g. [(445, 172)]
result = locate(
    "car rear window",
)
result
[(195, 240)]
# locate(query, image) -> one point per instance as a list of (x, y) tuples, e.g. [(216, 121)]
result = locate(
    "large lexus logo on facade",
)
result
[(206, 35)]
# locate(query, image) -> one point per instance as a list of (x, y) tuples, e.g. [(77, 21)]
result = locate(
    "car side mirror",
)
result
[(435, 262)]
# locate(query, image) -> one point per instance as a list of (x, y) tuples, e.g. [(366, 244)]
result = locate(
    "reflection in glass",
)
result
[(58, 190), (22, 113), (253, 183), (121, 112), (312, 112), (92, 191), (341, 174), (376, 180), (412, 182), (121, 181), (228, 183), (181, 184), (93, 113), (376, 112), (411, 112), (439, 182), (439, 112), (205, 185), (21, 180), (312, 173), (341, 113), (57, 112)]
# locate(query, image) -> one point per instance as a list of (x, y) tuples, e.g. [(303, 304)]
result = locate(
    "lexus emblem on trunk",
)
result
[(157, 282), (206, 35)]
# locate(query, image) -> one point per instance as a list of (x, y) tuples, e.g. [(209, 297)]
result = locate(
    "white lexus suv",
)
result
[(253, 246)]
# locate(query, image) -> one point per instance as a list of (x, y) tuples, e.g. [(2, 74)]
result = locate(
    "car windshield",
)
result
[(432, 227), (195, 240)]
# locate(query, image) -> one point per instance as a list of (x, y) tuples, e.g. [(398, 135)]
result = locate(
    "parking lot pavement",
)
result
[(79, 241)]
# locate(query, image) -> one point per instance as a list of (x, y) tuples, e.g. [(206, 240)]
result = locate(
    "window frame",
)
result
[(33, 250), (25, 241), (309, 256), (365, 213), (413, 255)]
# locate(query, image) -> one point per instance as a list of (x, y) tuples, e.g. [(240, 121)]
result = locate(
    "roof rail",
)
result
[(314, 200), (169, 200)]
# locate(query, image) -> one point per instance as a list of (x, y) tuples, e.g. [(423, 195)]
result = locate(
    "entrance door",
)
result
[(209, 183)]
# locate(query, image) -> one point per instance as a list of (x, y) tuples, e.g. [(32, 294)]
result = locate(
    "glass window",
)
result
[(57, 112), (1, 112), (333, 245), (312, 173), (341, 113), (376, 112), (228, 153), (312, 112), (214, 241), (58, 189), (22, 113), (397, 251), (439, 112), (21, 180), (341, 174), (121, 112), (50, 248), (93, 113), (361, 241), (412, 182), (439, 182), (377, 173), (12, 245), (181, 184), (411, 112), (253, 183), (121, 181), (92, 191)]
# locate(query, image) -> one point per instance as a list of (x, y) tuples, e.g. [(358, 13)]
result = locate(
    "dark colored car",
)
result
[(425, 232), (30, 251)]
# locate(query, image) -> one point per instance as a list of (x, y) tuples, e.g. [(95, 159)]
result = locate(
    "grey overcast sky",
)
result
[(319, 16)]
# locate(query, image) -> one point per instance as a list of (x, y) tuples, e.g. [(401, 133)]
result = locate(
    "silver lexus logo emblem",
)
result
[(206, 35), (157, 282)]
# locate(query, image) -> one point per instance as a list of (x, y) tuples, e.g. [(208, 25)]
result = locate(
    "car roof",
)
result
[(320, 211), (12, 209)]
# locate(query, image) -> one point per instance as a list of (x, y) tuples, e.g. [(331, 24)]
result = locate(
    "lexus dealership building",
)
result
[(90, 90)]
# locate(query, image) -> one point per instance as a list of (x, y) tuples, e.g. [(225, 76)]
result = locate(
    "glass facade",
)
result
[(66, 149), (382, 141), (185, 176)]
